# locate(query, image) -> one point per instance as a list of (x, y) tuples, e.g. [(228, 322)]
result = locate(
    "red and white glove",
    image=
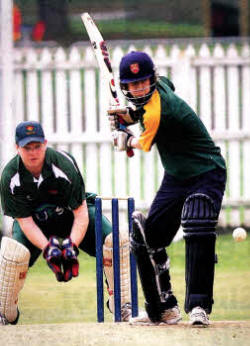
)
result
[(116, 117), (69, 259), (121, 117), (124, 139), (53, 255)]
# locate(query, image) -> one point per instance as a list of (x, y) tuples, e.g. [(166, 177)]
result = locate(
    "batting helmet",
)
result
[(134, 67)]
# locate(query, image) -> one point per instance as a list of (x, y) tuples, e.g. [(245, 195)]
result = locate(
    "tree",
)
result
[(206, 9), (244, 17), (54, 14)]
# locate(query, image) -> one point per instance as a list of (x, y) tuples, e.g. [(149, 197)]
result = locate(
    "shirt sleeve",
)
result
[(78, 194), (151, 121), (14, 203)]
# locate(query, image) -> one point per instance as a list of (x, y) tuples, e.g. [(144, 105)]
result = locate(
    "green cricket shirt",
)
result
[(184, 144), (60, 185)]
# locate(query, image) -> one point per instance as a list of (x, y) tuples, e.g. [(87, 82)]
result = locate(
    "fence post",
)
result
[(246, 127), (234, 150), (6, 80), (180, 72), (6, 89)]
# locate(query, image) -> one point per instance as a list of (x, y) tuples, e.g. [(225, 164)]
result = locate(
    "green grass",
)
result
[(44, 300), (148, 23), (232, 273), (138, 29)]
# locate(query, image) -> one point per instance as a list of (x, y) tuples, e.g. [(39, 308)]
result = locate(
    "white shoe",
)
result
[(3, 320), (126, 314), (142, 319), (171, 316), (126, 311), (198, 316)]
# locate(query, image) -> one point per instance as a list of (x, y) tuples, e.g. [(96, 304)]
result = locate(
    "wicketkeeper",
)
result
[(43, 191), (190, 194)]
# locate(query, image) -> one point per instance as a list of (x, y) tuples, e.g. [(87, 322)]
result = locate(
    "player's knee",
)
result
[(123, 241), (108, 242), (199, 216), (14, 262), (137, 243)]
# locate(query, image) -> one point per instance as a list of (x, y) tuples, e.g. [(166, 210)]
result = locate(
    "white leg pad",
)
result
[(124, 268), (14, 263)]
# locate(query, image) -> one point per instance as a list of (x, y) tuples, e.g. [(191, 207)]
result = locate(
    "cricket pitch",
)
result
[(74, 334)]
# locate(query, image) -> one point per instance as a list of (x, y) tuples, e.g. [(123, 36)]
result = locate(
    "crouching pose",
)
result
[(43, 191), (190, 194)]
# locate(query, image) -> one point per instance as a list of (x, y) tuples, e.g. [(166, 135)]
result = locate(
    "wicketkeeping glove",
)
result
[(69, 259), (53, 255)]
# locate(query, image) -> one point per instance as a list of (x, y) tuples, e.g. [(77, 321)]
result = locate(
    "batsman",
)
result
[(43, 191), (190, 193)]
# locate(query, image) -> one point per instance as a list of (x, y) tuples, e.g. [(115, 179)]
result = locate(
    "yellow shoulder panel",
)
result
[(151, 121)]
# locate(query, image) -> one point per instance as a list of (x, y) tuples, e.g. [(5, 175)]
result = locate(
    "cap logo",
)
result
[(30, 130), (134, 68)]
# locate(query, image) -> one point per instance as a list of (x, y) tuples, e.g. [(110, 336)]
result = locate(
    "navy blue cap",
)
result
[(136, 66), (29, 131)]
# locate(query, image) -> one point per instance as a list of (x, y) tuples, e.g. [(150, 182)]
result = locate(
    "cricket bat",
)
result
[(103, 59)]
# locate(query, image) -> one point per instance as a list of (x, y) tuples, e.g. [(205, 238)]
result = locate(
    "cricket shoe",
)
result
[(126, 315), (126, 311), (171, 316), (166, 312), (198, 317), (141, 319), (3, 320)]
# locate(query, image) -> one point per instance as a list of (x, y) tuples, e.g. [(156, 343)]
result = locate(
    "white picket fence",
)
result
[(63, 89)]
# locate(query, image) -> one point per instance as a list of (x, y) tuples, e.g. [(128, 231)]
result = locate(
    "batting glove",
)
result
[(124, 139), (121, 117), (69, 259), (53, 255), (115, 116)]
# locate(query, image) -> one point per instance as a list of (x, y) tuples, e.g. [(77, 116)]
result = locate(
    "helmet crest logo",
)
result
[(134, 68)]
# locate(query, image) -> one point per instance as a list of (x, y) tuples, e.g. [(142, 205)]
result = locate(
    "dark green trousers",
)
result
[(60, 226)]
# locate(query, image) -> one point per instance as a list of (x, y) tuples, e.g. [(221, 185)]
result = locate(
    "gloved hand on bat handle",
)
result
[(120, 117), (116, 117), (124, 139)]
